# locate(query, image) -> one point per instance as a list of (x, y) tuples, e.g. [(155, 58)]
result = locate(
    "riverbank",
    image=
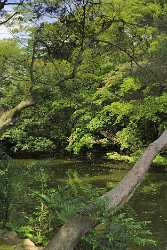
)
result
[(10, 240)]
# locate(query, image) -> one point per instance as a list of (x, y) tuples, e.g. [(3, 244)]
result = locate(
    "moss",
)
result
[(118, 157), (160, 161), (6, 247)]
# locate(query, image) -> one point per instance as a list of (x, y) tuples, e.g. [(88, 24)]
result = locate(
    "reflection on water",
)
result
[(149, 201)]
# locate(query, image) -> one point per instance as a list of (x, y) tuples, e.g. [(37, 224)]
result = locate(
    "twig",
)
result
[(9, 18)]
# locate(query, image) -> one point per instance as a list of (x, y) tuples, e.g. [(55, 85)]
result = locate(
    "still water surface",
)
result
[(149, 201)]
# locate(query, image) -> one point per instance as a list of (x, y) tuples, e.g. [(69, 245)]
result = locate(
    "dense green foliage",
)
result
[(99, 78), (97, 73)]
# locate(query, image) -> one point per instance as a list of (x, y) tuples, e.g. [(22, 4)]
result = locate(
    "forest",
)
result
[(83, 118)]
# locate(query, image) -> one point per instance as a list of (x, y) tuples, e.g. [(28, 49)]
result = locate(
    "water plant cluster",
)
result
[(35, 209)]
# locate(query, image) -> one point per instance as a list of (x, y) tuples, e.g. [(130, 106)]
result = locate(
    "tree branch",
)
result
[(9, 117), (5, 2), (131, 56), (125, 51), (9, 18)]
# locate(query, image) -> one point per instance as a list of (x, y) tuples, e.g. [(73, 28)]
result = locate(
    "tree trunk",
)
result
[(9, 117), (70, 233)]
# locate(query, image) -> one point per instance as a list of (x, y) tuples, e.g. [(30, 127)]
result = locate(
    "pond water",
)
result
[(149, 201)]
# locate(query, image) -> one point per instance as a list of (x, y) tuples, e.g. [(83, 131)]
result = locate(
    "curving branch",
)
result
[(9, 117), (70, 233)]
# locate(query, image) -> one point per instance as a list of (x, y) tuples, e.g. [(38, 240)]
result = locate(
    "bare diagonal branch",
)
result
[(9, 18)]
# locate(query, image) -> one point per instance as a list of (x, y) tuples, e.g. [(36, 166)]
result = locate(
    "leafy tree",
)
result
[(96, 67)]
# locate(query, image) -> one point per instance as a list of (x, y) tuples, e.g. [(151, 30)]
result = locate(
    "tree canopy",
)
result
[(99, 75)]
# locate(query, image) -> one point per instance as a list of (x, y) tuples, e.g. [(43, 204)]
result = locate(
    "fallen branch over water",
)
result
[(70, 233)]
